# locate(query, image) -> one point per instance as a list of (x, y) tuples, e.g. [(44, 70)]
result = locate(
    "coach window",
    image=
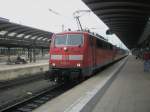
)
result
[(99, 43), (110, 47), (107, 46), (104, 45)]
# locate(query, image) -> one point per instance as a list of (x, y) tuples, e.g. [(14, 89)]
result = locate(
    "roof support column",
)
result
[(42, 53), (30, 54), (8, 54), (34, 54)]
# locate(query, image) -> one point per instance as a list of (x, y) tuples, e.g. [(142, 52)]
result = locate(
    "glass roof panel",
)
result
[(20, 35), (39, 38), (3, 32), (44, 38), (27, 36), (34, 37), (12, 34)]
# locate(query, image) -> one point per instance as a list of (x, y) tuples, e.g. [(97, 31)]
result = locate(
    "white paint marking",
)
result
[(79, 104)]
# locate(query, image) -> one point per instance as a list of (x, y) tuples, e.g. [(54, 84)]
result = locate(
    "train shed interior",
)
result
[(19, 40), (128, 19), (122, 85)]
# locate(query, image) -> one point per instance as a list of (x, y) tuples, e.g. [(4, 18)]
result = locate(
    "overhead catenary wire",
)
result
[(76, 15)]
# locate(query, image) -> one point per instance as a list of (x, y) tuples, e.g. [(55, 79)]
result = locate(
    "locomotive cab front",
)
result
[(66, 55)]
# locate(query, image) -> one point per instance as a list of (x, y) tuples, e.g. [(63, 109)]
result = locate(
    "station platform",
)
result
[(129, 92), (11, 72), (123, 87)]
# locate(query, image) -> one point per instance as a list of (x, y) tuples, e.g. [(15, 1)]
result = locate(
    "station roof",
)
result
[(16, 35), (125, 18)]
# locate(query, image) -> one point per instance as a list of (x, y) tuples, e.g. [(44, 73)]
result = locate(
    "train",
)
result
[(78, 54)]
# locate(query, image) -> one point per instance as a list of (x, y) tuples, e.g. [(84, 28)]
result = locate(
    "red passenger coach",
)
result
[(77, 54)]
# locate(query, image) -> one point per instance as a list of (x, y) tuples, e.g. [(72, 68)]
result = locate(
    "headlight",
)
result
[(53, 64), (78, 65), (65, 48)]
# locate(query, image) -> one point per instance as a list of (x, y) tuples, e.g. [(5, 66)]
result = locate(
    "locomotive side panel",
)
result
[(89, 55)]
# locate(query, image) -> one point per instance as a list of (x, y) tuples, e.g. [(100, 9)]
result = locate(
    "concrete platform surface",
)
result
[(74, 99), (11, 72), (129, 92), (4, 66)]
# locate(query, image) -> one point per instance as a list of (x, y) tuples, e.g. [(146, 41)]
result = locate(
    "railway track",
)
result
[(20, 81), (29, 104)]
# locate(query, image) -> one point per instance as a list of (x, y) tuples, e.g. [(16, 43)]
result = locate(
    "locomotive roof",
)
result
[(81, 32)]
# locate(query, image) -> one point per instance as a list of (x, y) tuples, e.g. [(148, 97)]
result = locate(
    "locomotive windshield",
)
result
[(69, 39)]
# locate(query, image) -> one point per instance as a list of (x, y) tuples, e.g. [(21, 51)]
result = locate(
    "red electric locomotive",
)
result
[(77, 54)]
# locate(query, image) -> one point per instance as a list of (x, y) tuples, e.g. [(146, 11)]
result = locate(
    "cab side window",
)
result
[(91, 41)]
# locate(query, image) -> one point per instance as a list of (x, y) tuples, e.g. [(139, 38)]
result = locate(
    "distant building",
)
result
[(4, 19)]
